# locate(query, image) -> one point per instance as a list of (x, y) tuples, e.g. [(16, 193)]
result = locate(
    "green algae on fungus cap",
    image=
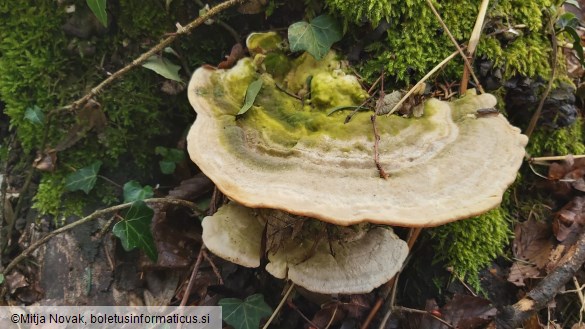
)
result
[(283, 154)]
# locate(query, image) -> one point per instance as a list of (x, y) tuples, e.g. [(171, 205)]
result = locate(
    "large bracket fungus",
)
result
[(291, 150)]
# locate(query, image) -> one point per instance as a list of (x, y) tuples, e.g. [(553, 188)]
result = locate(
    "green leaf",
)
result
[(167, 167), (163, 67), (251, 93), (244, 314), (98, 7), (576, 44), (35, 115), (170, 158), (133, 191), (83, 179), (134, 230), (1, 278), (573, 2), (567, 20), (315, 37)]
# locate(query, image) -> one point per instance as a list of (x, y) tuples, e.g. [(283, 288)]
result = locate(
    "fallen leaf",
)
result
[(46, 161), (251, 93), (236, 53), (192, 188), (570, 219), (532, 246), (467, 312)]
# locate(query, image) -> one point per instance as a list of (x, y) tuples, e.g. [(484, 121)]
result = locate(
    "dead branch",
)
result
[(512, 316), (95, 215), (158, 48)]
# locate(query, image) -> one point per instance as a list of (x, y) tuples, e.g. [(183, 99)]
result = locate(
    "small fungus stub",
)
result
[(355, 266), (287, 153)]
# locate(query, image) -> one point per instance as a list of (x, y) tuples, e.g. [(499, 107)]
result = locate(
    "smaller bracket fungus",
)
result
[(357, 263)]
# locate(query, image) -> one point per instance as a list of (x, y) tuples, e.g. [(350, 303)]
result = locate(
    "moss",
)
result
[(407, 59), (469, 245), (38, 69), (560, 141)]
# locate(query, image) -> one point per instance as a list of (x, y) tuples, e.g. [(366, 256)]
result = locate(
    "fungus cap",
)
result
[(284, 154), (357, 266)]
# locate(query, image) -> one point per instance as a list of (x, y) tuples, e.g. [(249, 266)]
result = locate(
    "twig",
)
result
[(332, 316), (300, 313), (215, 269), (556, 158), (381, 170), (463, 56), (158, 48), (287, 92), (379, 105), (421, 81), (473, 41), (193, 275), (412, 310), (277, 309), (579, 291), (372, 313), (512, 316), (356, 110), (96, 214), (536, 115)]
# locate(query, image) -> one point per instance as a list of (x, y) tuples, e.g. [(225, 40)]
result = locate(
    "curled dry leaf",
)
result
[(569, 221), (236, 53), (467, 312)]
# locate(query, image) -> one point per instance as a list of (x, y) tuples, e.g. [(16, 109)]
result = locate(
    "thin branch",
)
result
[(421, 81), (412, 310), (193, 275), (153, 51), (556, 158), (277, 309), (95, 215), (536, 115), (463, 56)]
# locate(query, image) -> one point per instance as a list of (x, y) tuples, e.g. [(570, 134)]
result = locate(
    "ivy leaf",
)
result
[(251, 93), (134, 230), (35, 115), (567, 20), (170, 158), (163, 67), (98, 7), (315, 37), (244, 314), (134, 192), (83, 179)]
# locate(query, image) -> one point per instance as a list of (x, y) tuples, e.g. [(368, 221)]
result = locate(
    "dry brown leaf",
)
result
[(252, 7), (570, 219), (467, 312), (236, 53), (532, 246), (192, 188), (46, 161)]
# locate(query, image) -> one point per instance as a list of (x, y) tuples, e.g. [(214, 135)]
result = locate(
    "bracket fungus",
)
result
[(291, 151)]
